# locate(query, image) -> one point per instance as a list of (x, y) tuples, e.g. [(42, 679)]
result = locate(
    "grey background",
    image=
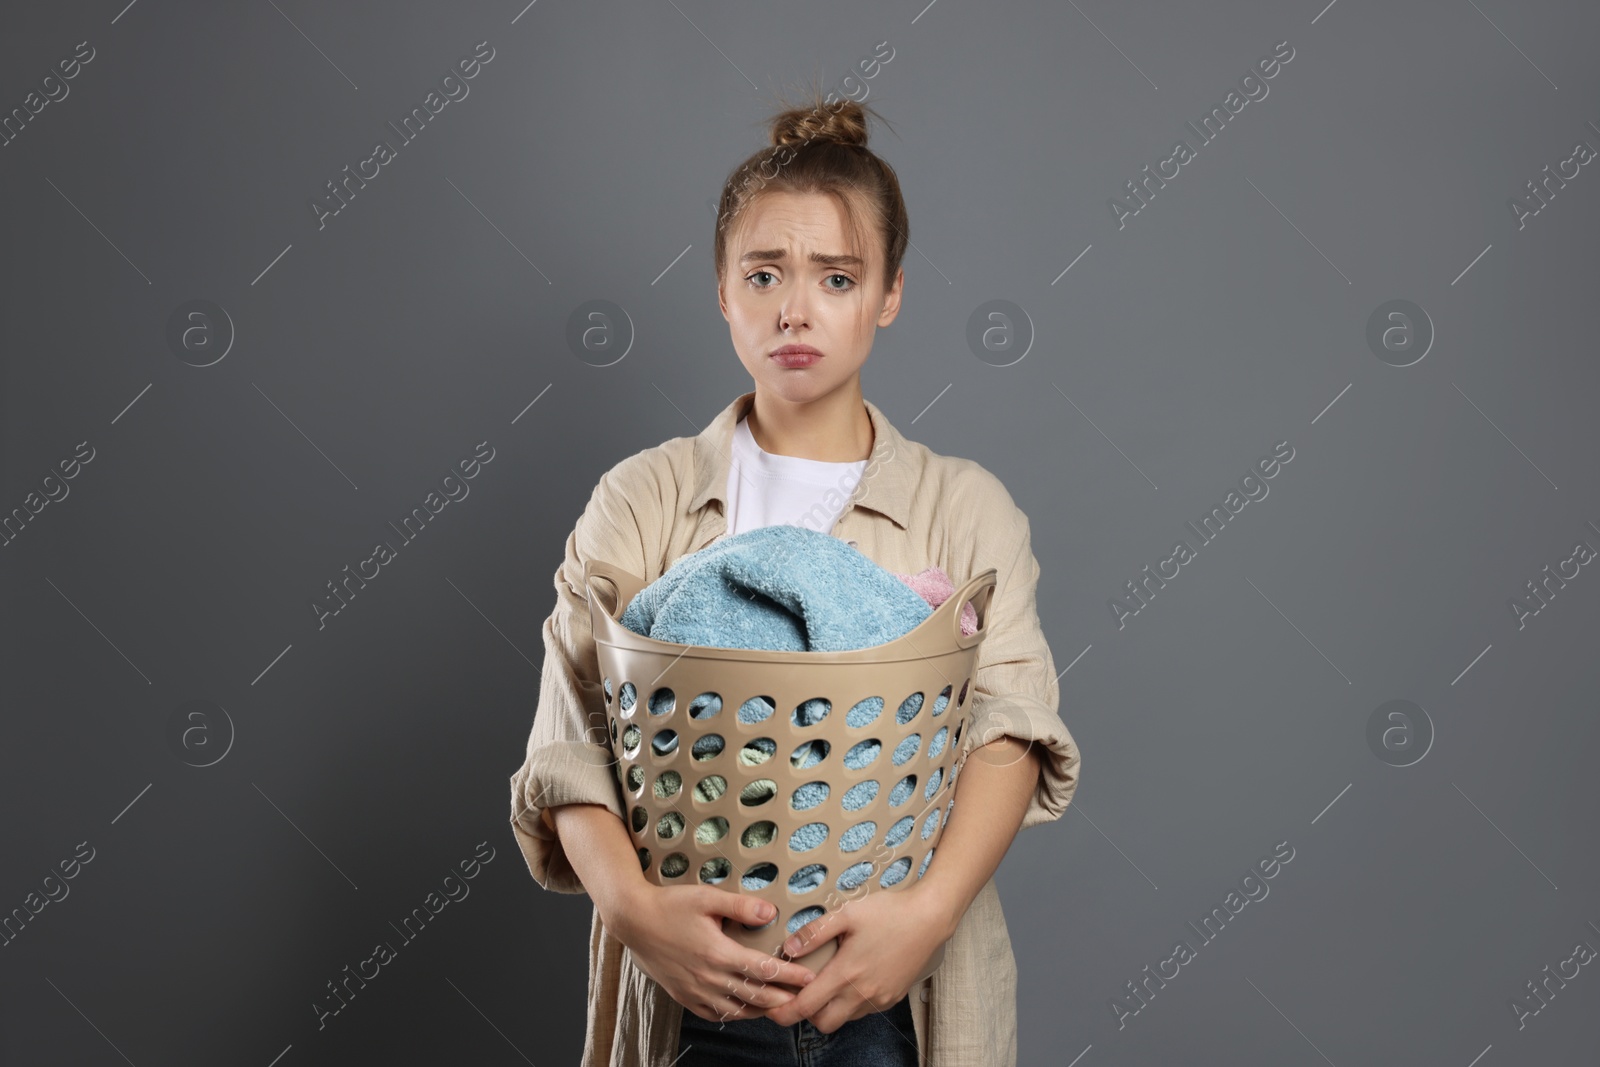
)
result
[(368, 757)]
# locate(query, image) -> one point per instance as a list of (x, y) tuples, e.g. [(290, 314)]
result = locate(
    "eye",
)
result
[(752, 276), (850, 283)]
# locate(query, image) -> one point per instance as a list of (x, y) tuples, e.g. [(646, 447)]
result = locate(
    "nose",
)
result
[(793, 316)]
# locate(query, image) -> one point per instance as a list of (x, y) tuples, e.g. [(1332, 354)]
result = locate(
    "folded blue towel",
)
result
[(779, 588), (791, 588)]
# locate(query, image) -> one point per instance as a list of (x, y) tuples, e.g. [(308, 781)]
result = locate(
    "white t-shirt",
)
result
[(768, 490)]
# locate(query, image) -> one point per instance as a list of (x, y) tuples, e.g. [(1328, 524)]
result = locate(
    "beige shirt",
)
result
[(911, 509)]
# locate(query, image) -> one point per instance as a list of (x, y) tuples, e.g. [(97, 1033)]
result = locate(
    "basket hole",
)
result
[(627, 698), (640, 817), (926, 860), (908, 709), (758, 792), (662, 701), (757, 752), (854, 875), (669, 826), (933, 783), (899, 831), (715, 870), (715, 829), (809, 796), (940, 702), (644, 859), (860, 795), (613, 730), (710, 787), (674, 865), (809, 754), (631, 736), (708, 747), (936, 746), (930, 824), (759, 834), (759, 877), (808, 837), (961, 700), (862, 753), (858, 836), (957, 736), (665, 742), (907, 748), (667, 784), (895, 872), (635, 778), (864, 713), (756, 709), (605, 684), (902, 790), (804, 916), (807, 878), (705, 706), (811, 712)]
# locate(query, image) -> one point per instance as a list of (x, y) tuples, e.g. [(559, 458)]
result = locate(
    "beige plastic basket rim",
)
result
[(909, 646)]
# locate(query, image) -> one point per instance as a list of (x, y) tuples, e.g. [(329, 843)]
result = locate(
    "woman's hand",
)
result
[(676, 937), (884, 941)]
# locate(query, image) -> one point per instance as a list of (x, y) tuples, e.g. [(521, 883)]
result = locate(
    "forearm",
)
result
[(992, 794), (602, 855)]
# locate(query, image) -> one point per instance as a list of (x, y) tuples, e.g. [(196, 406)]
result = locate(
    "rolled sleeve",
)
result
[(568, 758), (1014, 687)]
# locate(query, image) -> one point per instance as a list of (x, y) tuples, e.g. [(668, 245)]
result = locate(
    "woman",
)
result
[(810, 238)]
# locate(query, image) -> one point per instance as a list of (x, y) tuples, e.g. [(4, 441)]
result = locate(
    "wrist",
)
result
[(622, 902), (941, 909)]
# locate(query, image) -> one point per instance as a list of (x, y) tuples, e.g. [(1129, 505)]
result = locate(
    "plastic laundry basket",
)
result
[(702, 804)]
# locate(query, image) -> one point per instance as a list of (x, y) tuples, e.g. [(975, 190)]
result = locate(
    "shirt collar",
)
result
[(886, 484)]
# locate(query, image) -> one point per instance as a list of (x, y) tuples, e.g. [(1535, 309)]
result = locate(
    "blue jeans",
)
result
[(880, 1039)]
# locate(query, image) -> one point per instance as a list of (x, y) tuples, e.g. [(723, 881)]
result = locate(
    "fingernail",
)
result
[(767, 910), (792, 945), (807, 979)]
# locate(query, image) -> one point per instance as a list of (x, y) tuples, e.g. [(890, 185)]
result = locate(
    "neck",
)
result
[(831, 429)]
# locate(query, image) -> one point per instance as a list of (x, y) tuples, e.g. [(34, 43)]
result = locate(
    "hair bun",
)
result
[(843, 121)]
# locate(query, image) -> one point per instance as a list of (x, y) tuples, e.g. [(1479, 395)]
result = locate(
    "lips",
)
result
[(796, 356)]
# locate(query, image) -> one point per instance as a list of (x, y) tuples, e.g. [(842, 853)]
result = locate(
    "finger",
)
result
[(705, 1010), (816, 932), (733, 1008), (752, 911), (810, 1000), (760, 996), (840, 1010), (760, 979), (719, 1009), (759, 967)]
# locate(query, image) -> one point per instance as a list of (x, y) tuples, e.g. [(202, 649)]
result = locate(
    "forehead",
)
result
[(803, 222)]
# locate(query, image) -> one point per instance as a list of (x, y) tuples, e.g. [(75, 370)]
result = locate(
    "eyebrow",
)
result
[(767, 254)]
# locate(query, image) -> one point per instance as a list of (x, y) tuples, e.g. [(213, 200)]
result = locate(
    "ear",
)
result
[(891, 299), (722, 302)]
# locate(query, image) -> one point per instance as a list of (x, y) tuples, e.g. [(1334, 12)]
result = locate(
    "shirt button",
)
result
[(852, 544), (924, 994)]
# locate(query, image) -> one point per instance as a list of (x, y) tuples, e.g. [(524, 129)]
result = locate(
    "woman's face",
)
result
[(792, 279)]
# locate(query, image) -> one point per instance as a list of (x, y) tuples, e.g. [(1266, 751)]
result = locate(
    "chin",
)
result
[(799, 387)]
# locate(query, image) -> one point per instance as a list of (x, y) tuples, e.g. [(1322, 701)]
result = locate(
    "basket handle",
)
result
[(979, 590), (608, 593)]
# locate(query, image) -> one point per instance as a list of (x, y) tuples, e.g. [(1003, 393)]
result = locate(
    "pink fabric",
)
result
[(935, 586)]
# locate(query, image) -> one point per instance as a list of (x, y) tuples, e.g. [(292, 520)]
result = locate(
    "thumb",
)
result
[(752, 911), (816, 933)]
